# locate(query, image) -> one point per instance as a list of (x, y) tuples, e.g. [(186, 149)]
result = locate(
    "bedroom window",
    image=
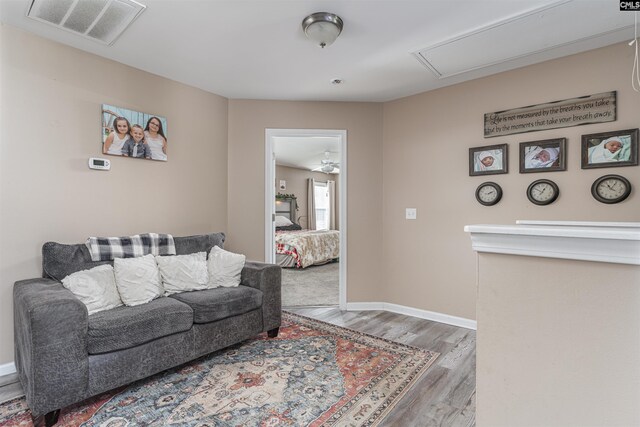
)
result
[(323, 205)]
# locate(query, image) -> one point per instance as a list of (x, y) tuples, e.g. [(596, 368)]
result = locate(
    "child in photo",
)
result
[(614, 149), (135, 145), (116, 139), (155, 139), (490, 160), (537, 157)]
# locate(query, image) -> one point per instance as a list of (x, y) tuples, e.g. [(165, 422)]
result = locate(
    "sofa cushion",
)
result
[(125, 327), (201, 243), (219, 303), (60, 260)]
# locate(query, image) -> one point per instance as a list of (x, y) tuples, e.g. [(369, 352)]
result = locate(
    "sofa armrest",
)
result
[(267, 278), (50, 336)]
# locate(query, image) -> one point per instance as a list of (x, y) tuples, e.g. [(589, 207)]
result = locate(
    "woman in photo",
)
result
[(116, 139), (155, 139)]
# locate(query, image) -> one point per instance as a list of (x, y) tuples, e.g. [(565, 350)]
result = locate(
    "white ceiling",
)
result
[(255, 49), (306, 152)]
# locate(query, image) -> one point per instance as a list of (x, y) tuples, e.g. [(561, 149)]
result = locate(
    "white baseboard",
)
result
[(415, 312), (7, 368)]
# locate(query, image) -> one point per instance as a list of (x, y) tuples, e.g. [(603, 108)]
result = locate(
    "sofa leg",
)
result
[(47, 420), (273, 332)]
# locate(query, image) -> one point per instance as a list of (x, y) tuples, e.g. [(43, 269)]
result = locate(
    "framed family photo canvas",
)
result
[(129, 133), (610, 149), (548, 155), (488, 160)]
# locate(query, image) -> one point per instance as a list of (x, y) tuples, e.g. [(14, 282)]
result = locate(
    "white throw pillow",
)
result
[(224, 268), (182, 273), (282, 221), (96, 288), (137, 279)]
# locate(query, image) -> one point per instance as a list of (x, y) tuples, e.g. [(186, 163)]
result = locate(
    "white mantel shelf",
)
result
[(615, 242)]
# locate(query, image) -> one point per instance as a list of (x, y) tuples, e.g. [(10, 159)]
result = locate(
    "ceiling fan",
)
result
[(327, 165)]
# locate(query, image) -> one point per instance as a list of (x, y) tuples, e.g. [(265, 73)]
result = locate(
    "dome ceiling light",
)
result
[(322, 27)]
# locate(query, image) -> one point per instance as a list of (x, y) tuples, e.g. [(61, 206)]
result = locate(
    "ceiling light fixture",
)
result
[(322, 27)]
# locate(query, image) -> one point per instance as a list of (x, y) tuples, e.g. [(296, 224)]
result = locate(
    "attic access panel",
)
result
[(519, 36), (98, 20)]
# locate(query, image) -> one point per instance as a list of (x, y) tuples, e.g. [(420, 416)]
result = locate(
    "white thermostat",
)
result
[(99, 164)]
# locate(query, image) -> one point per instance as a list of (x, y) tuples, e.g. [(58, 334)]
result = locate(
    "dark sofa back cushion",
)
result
[(201, 243), (60, 260)]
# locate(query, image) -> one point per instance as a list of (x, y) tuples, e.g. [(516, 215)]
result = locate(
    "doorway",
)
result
[(315, 138)]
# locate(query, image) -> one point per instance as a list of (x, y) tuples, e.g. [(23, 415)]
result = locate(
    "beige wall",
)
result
[(407, 153), (297, 184), (557, 342), (50, 112), (363, 123), (426, 142)]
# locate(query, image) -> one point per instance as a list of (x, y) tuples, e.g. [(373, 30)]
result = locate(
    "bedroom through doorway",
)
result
[(305, 214)]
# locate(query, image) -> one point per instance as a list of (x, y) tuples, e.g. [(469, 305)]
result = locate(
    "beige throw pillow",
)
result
[(224, 268), (182, 273), (96, 288), (137, 279)]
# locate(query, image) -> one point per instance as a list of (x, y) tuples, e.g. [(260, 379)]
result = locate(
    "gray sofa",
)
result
[(64, 356)]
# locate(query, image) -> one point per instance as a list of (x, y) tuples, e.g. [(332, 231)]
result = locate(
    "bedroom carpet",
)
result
[(315, 285), (313, 374)]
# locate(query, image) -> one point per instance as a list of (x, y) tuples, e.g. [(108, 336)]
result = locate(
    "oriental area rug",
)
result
[(312, 374)]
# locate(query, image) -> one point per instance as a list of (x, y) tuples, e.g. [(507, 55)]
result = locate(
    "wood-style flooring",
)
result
[(444, 396)]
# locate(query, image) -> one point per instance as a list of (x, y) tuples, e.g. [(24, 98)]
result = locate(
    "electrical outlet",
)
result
[(411, 213)]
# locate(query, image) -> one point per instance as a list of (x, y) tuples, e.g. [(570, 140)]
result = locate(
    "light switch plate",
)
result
[(411, 213)]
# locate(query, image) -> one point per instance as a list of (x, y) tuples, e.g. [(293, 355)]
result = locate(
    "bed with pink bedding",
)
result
[(303, 248)]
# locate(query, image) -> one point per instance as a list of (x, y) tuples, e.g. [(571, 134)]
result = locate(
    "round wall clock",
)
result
[(611, 189), (488, 193), (543, 192)]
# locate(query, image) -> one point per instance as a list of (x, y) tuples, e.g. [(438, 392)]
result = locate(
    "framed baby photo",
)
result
[(549, 155), (129, 133), (488, 160), (610, 149)]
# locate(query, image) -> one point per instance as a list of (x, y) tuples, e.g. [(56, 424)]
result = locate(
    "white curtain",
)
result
[(331, 188), (311, 204)]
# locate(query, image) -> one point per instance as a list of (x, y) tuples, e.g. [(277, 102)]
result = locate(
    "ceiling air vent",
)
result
[(99, 20)]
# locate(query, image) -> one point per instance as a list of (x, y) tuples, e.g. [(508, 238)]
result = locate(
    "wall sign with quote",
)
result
[(598, 108)]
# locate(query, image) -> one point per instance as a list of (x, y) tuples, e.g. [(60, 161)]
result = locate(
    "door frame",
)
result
[(270, 196)]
